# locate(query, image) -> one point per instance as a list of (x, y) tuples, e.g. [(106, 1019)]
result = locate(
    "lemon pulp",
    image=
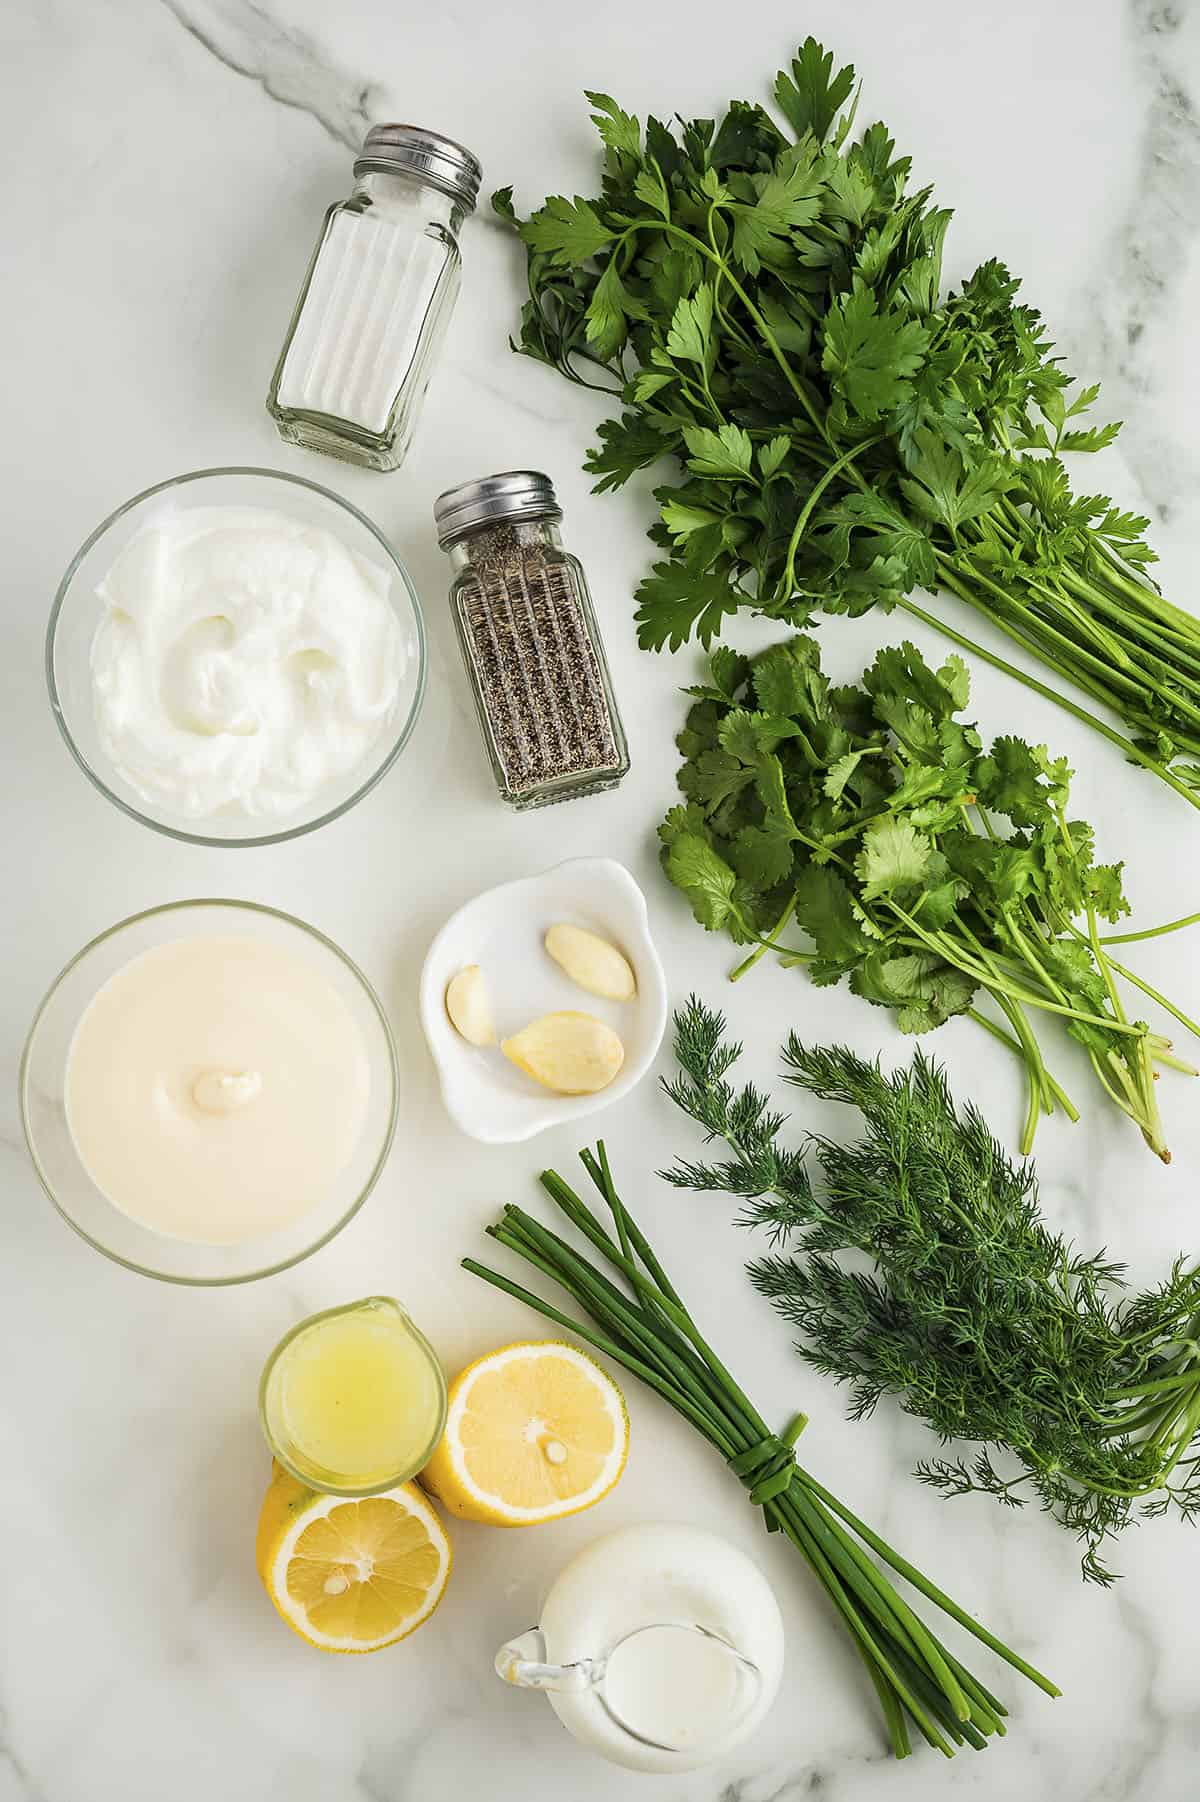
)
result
[(534, 1431)]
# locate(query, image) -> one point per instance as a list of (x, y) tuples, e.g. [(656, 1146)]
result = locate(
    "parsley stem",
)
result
[(1125, 745), (1063, 652), (1162, 640), (713, 256), (787, 580)]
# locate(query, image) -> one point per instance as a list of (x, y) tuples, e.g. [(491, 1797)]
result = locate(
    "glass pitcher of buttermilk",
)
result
[(660, 1647)]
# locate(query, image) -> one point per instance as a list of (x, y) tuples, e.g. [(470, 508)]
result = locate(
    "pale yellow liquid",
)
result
[(217, 1087), (355, 1400)]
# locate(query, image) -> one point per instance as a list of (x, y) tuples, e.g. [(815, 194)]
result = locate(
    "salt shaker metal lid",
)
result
[(438, 160), (512, 495)]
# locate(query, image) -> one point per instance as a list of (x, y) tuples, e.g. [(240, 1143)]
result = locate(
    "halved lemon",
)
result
[(351, 1576), (534, 1431)]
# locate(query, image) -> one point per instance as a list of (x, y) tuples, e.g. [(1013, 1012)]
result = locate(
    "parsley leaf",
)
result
[(763, 298), (674, 604), (727, 453), (812, 96), (870, 355), (567, 232), (619, 130)]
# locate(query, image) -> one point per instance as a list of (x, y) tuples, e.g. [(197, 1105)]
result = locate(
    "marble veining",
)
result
[(1149, 252), (289, 65), (164, 186)]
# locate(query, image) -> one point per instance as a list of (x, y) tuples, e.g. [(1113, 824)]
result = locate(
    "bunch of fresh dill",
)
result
[(982, 1321)]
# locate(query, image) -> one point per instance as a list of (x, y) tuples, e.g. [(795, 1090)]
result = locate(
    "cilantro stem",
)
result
[(1150, 932), (767, 944), (1059, 1094), (945, 947), (1153, 993)]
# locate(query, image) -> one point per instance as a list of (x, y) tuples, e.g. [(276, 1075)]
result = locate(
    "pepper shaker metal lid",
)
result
[(440, 161), (513, 495)]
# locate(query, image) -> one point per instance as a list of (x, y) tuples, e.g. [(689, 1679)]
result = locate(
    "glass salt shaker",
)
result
[(377, 299), (530, 642)]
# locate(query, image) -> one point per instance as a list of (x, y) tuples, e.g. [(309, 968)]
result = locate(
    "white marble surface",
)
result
[(166, 163)]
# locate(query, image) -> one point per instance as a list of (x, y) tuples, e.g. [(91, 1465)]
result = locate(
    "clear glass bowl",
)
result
[(62, 1174), (77, 611)]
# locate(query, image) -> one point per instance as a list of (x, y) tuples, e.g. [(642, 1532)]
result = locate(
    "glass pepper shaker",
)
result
[(530, 642), (377, 299)]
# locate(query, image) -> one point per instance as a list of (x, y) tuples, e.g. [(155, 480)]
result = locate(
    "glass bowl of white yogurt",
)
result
[(209, 1091), (236, 656)]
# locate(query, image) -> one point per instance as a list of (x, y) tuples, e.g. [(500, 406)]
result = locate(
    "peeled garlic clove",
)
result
[(468, 1006), (592, 962), (571, 1053)]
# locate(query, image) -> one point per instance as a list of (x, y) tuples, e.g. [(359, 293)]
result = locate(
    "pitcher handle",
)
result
[(522, 1661)]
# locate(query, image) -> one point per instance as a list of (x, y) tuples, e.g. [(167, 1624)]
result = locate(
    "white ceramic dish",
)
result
[(502, 931)]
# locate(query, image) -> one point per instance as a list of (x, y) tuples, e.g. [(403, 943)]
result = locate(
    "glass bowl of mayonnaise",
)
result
[(236, 656), (209, 1091)]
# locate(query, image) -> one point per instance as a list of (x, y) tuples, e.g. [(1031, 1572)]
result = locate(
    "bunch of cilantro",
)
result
[(929, 872), (765, 302)]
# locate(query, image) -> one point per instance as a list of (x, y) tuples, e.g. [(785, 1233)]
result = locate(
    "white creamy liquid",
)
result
[(216, 1088), (671, 1685), (245, 661), (629, 1600)]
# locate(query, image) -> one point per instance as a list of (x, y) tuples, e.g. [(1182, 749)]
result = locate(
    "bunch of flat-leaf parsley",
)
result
[(927, 870), (765, 301)]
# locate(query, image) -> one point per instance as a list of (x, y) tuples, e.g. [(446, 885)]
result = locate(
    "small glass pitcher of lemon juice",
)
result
[(353, 1400)]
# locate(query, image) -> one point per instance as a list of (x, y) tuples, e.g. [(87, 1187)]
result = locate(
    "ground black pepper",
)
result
[(526, 632)]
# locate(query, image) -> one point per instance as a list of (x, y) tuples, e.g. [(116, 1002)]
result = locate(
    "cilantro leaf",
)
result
[(1106, 893), (923, 991), (761, 856), (787, 678), (1009, 781), (840, 772), (824, 910), (750, 736), (771, 786), (894, 856), (705, 878)]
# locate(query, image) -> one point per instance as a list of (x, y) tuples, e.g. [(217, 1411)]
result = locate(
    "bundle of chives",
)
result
[(645, 1326)]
